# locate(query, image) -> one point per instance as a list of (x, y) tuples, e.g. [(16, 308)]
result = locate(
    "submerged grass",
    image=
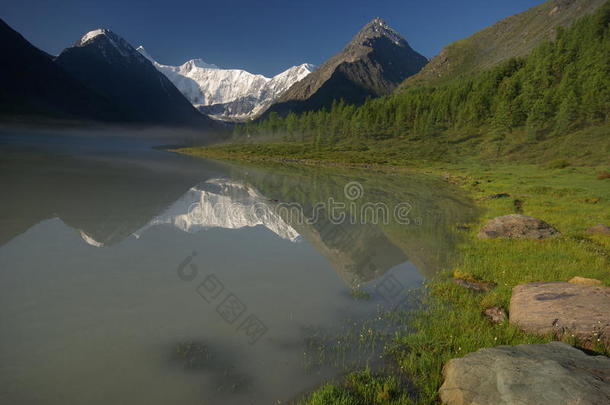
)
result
[(571, 198)]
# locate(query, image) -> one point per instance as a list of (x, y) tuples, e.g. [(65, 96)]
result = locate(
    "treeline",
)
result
[(562, 85)]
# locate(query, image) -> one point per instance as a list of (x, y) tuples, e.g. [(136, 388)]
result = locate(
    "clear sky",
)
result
[(260, 36)]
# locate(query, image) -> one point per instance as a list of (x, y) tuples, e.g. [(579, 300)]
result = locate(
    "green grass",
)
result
[(572, 199), (452, 324), (588, 147), (360, 388), (558, 189)]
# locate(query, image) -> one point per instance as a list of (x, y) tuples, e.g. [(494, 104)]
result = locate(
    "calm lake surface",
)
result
[(130, 275)]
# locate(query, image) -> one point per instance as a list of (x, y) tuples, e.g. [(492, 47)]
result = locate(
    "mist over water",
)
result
[(133, 275)]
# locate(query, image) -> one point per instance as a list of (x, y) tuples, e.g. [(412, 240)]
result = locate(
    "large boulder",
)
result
[(552, 373), (562, 308), (517, 226)]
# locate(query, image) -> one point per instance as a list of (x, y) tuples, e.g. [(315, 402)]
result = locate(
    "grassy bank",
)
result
[(570, 197), (452, 325), (589, 146)]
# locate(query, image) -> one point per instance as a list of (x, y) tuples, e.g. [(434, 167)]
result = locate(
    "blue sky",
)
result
[(260, 36)]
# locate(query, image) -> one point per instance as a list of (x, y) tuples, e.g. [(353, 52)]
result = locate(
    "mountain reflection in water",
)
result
[(90, 247)]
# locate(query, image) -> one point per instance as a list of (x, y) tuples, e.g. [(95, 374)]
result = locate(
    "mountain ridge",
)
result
[(230, 94)]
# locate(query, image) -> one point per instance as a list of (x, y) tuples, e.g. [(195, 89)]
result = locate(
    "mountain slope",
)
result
[(371, 65), (108, 64), (228, 93), (511, 37), (32, 85)]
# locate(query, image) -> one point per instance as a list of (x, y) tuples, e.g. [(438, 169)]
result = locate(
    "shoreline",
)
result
[(571, 198)]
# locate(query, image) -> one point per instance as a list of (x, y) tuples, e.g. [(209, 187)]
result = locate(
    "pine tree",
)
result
[(567, 115)]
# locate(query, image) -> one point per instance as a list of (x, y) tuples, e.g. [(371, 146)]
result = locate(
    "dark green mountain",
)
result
[(376, 61), (511, 37)]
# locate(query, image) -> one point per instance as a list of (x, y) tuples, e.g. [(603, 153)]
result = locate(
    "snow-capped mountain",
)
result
[(109, 65), (230, 94)]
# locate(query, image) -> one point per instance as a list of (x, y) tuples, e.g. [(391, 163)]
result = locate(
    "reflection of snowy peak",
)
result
[(228, 93), (89, 239), (222, 204)]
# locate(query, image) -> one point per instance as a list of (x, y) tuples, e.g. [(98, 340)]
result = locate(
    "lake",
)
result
[(132, 275)]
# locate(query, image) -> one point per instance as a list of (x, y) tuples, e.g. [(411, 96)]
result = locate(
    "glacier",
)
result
[(228, 94)]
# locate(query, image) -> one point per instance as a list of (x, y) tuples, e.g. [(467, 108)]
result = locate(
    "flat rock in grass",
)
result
[(599, 229), (562, 308), (538, 374), (517, 226)]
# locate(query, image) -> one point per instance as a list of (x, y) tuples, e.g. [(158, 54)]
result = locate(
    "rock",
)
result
[(599, 229), (517, 226), (552, 373), (563, 308), (584, 281), (474, 285), (495, 314)]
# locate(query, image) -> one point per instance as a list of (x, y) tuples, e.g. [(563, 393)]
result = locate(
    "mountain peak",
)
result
[(200, 63), (378, 21), (197, 63), (378, 28), (372, 64), (103, 38), (93, 34)]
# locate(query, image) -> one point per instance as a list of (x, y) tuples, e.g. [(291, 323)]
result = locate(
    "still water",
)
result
[(131, 275)]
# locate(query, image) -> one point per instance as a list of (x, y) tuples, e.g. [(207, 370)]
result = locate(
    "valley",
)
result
[(421, 216)]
